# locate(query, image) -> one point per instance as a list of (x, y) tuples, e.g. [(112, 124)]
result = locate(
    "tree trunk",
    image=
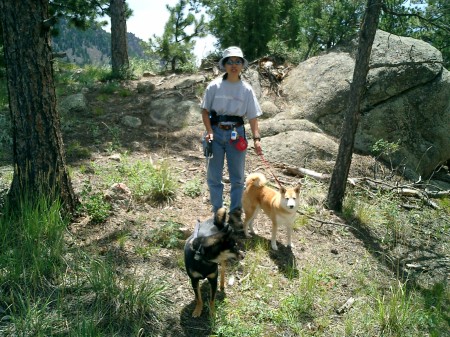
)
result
[(119, 45), (341, 169), (38, 153)]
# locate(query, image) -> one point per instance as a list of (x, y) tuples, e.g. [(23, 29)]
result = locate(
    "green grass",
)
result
[(166, 235), (151, 182), (51, 285), (395, 311), (193, 187), (34, 243), (51, 289), (47, 290), (96, 207), (147, 182)]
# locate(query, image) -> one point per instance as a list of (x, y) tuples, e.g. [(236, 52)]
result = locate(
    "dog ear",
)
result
[(282, 189), (220, 218), (297, 188)]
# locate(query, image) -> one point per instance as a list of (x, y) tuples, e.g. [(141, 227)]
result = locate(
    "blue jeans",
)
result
[(222, 148)]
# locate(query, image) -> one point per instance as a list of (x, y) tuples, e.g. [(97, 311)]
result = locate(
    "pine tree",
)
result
[(175, 47), (38, 151)]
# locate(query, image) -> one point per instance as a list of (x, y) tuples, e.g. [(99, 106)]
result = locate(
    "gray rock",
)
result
[(175, 113), (145, 87), (269, 109), (132, 122), (407, 99), (74, 104)]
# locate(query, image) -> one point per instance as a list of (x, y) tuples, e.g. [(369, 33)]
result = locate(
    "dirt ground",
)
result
[(330, 238)]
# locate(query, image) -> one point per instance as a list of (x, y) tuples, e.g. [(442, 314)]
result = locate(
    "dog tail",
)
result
[(255, 179), (220, 218)]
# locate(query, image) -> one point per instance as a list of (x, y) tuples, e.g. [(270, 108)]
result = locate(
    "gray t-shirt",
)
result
[(231, 98)]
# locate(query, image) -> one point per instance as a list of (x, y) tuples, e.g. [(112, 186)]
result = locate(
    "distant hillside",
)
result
[(92, 46)]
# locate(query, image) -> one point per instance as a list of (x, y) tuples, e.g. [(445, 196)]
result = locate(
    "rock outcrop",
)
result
[(407, 100)]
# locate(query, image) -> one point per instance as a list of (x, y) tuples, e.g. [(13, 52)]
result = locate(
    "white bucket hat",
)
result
[(232, 51)]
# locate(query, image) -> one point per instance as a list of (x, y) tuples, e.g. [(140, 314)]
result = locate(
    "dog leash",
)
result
[(198, 254), (196, 229), (208, 154), (268, 168)]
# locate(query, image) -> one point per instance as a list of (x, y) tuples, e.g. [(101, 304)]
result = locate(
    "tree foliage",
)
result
[(320, 25), (175, 47), (249, 24), (306, 28), (79, 13), (424, 20), (303, 27)]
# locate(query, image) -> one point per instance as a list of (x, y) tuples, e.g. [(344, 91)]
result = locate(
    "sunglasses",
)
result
[(230, 62)]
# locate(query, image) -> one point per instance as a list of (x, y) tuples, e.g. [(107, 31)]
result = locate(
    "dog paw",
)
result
[(197, 312), (247, 235), (274, 246)]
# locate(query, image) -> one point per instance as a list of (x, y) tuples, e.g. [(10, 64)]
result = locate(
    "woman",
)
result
[(227, 101)]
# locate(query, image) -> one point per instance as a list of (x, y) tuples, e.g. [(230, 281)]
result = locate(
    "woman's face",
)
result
[(233, 65)]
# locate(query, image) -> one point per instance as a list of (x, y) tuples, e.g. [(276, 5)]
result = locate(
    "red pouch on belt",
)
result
[(240, 144)]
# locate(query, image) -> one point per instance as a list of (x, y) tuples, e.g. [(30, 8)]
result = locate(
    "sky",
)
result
[(150, 16)]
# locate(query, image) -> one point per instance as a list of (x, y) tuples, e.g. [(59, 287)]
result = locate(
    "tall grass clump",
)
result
[(193, 187), (31, 259), (148, 181), (71, 78), (94, 204), (124, 304), (354, 208), (162, 184), (397, 315), (31, 241)]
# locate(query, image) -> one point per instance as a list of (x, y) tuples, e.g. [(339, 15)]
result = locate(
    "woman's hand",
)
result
[(209, 137), (258, 148)]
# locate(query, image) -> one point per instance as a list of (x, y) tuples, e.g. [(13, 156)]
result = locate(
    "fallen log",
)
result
[(404, 190)]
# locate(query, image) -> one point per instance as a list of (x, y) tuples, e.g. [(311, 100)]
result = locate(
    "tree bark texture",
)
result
[(119, 44), (341, 169), (38, 152)]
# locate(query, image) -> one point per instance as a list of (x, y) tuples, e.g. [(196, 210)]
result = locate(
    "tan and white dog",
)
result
[(281, 207)]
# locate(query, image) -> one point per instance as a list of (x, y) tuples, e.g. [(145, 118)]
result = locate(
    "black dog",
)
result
[(211, 244)]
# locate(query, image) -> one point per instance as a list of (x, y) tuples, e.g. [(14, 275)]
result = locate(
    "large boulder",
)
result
[(407, 99), (175, 113)]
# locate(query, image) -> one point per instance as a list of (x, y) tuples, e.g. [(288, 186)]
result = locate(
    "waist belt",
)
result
[(217, 119), (228, 126)]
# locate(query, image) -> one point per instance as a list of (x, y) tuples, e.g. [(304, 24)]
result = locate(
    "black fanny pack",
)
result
[(215, 119)]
